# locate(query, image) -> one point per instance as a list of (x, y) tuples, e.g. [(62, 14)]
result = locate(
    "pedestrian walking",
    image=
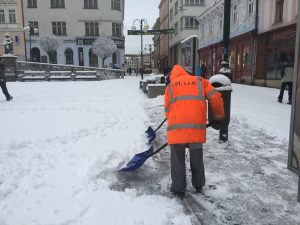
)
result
[(129, 70), (287, 72), (185, 110), (3, 81)]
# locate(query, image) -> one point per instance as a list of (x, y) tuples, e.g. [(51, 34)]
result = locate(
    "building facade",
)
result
[(11, 22), (275, 40), (77, 24), (242, 39), (182, 14), (164, 38), (156, 46)]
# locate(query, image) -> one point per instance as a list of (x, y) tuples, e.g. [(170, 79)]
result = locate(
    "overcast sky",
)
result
[(139, 9)]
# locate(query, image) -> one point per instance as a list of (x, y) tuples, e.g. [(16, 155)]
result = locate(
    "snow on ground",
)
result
[(62, 142)]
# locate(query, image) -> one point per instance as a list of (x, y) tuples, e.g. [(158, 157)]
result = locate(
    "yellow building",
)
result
[(11, 22)]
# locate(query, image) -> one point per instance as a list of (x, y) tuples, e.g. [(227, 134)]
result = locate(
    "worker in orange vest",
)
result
[(185, 110)]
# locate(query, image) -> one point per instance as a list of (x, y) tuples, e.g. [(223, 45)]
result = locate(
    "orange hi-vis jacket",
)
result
[(185, 107)]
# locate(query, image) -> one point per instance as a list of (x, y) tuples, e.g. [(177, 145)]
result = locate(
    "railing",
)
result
[(104, 73)]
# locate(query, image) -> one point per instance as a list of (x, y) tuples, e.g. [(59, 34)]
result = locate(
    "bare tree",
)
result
[(50, 44), (104, 47)]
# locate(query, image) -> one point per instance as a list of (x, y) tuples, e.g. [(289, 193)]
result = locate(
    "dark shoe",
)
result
[(289, 102), (198, 190), (279, 100), (10, 98), (179, 194)]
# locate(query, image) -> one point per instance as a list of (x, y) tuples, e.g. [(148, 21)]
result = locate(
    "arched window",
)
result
[(36, 55), (69, 56), (93, 59)]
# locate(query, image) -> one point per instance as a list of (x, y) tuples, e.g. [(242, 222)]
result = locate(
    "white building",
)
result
[(77, 23), (182, 14)]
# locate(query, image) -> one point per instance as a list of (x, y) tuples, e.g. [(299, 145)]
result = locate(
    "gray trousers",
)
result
[(178, 173)]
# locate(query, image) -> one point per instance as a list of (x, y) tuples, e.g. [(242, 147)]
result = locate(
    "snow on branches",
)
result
[(104, 47), (50, 44)]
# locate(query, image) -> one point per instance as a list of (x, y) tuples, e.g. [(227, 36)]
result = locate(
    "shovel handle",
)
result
[(165, 145), (160, 124)]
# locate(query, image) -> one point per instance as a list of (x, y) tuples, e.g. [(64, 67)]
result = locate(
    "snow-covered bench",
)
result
[(59, 75), (32, 75), (155, 90), (88, 74)]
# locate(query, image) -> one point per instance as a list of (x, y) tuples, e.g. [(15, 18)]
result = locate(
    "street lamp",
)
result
[(142, 30), (150, 49), (31, 30)]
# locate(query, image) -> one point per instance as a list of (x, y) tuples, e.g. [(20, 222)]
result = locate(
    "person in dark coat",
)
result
[(3, 81), (129, 70)]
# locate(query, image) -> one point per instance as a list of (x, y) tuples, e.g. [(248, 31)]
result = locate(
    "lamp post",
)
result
[(31, 30), (150, 49), (142, 30)]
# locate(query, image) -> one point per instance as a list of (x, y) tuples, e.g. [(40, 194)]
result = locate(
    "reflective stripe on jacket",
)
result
[(185, 106)]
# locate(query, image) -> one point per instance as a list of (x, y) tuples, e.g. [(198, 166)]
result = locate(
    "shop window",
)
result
[(93, 59), (232, 60), (279, 11), (247, 58), (53, 57)]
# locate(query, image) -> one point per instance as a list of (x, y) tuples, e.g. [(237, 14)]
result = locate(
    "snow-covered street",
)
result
[(61, 144)]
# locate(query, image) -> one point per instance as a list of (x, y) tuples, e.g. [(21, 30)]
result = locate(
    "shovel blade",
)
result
[(137, 161), (151, 135)]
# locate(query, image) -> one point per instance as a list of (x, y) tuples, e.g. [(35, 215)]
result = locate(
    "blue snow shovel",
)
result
[(138, 159), (151, 135)]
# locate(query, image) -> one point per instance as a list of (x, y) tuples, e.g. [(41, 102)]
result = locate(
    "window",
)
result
[(34, 24), (171, 14), (176, 29), (116, 29), (235, 14), (57, 3), (194, 2), (181, 23), (176, 8), (279, 10), (190, 23), (59, 28), (91, 4), (2, 16), (91, 28), (116, 5), (221, 22), (12, 15), (250, 8), (31, 4), (69, 56)]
